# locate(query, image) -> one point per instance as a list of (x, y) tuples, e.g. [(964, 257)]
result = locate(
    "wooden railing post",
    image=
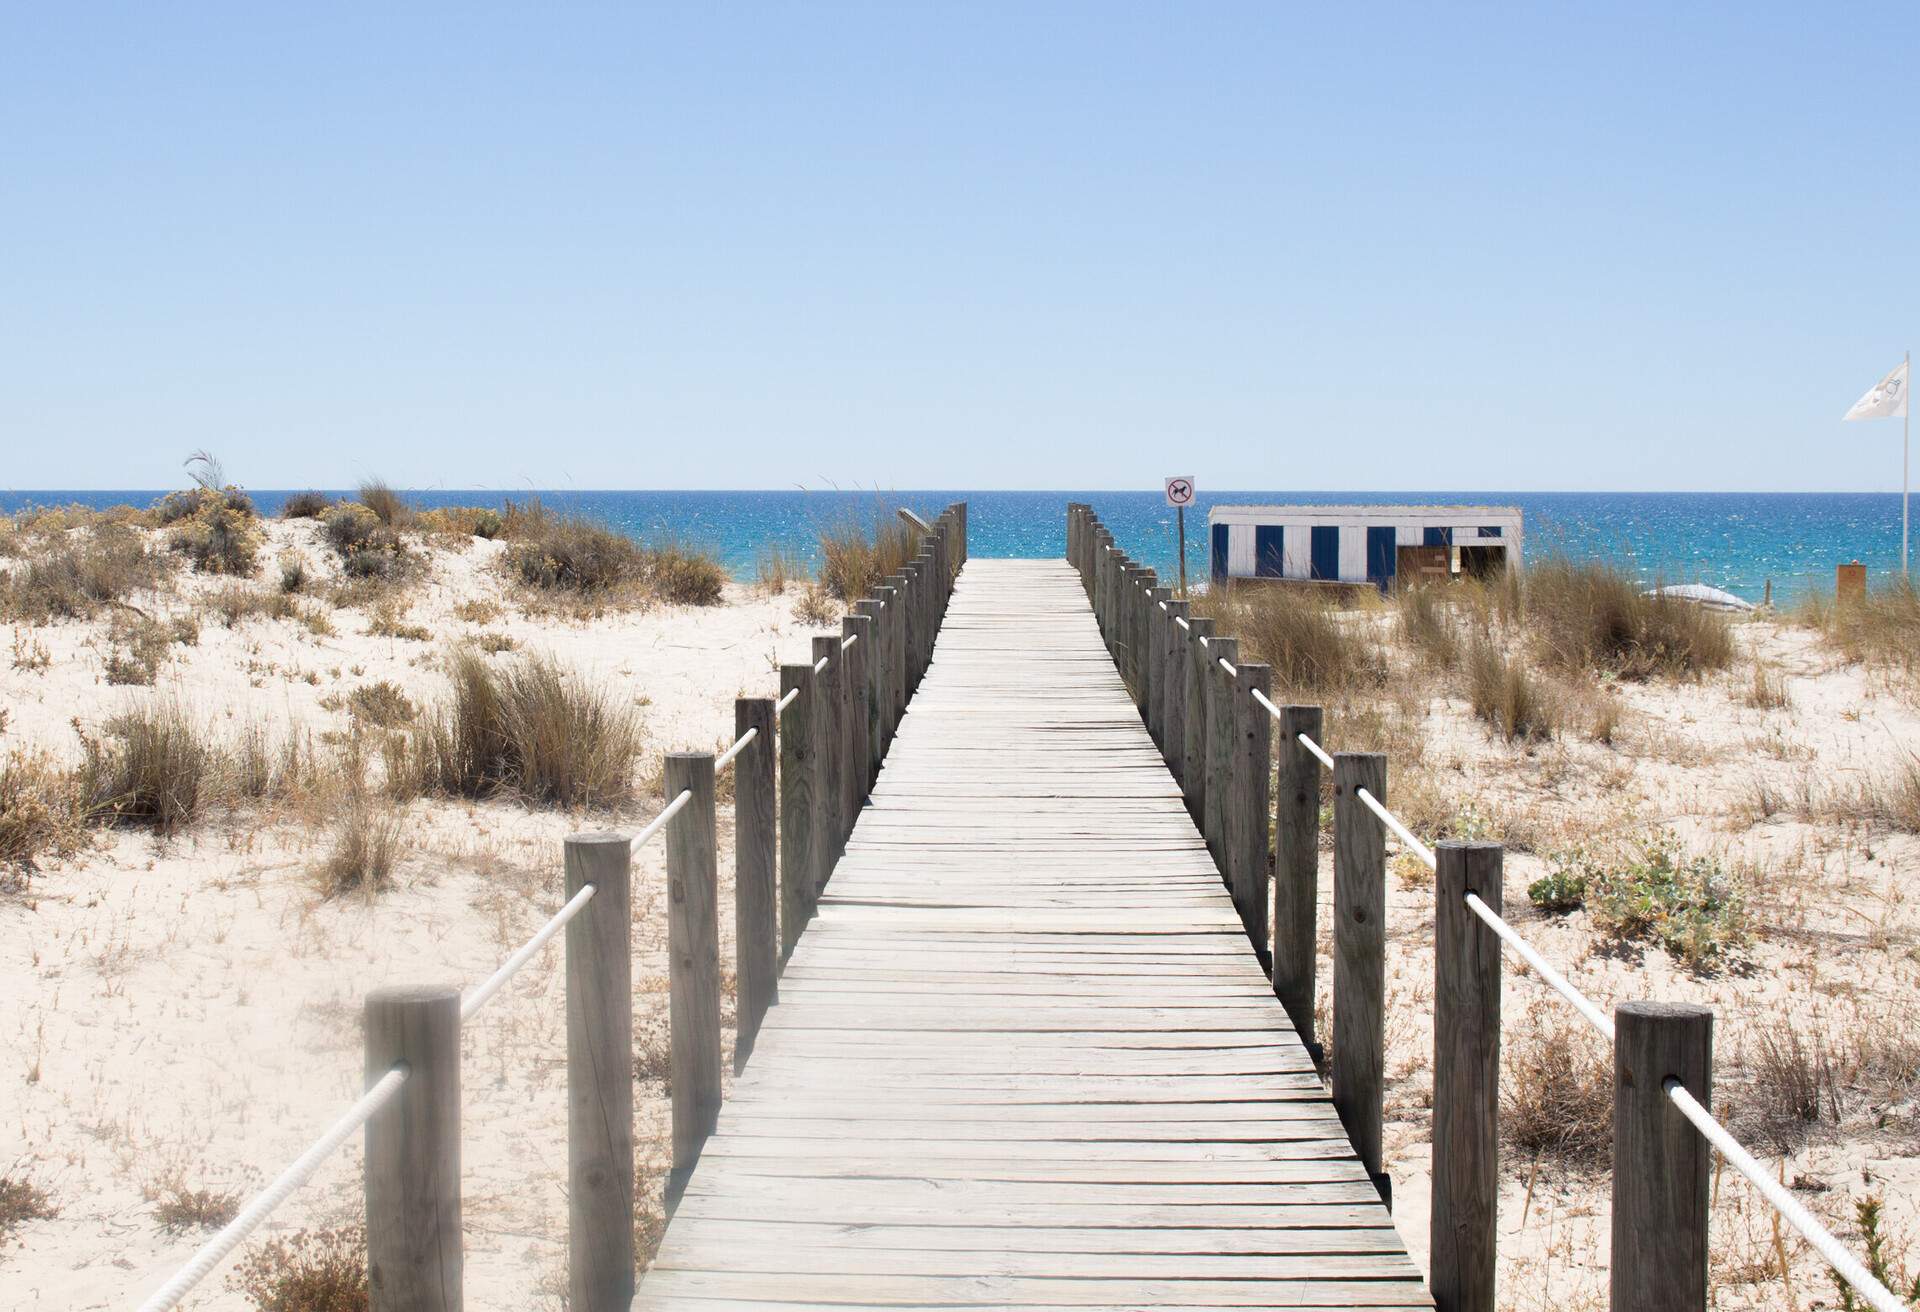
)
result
[(1223, 742), (874, 639), (693, 964), (413, 1152), (1466, 1078), (1660, 1162), (830, 743), (859, 692), (756, 927), (1193, 777), (929, 609), (1157, 625), (1173, 689), (1145, 581), (1360, 956), (1248, 844), (1296, 871), (910, 629), (600, 1074), (895, 595), (799, 777)]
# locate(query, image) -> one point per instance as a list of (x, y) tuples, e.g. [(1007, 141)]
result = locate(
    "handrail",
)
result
[(1703, 1121)]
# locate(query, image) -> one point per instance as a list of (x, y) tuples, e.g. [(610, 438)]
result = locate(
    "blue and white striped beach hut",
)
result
[(1361, 544)]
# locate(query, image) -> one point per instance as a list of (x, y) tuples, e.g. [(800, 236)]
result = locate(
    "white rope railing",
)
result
[(659, 822), (524, 953), (791, 696), (1730, 1149), (1785, 1203), (215, 1249), (725, 758)]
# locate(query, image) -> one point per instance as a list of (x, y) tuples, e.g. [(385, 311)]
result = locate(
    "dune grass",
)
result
[(855, 555), (1590, 616)]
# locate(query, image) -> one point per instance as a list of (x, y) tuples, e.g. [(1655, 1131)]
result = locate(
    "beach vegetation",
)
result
[(41, 814), (856, 556), (775, 568), (816, 607), (73, 574), (306, 505), (381, 705), (1556, 1094), (1882, 1252), (21, 1200), (462, 521), (309, 1271), (1310, 646), (181, 1210), (139, 648), (365, 845), (1881, 629), (528, 728), (368, 548), (386, 505), (571, 555), (1514, 701), (153, 766), (1583, 616)]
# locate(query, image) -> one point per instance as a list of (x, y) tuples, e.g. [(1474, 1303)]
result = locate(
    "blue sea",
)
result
[(1732, 540)]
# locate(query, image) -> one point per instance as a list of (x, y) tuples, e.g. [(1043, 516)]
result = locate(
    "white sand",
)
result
[(190, 1010)]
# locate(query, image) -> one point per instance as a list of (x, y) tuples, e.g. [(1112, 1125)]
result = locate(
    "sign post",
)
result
[(1180, 496)]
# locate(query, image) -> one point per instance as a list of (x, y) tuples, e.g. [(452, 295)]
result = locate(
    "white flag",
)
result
[(1887, 399)]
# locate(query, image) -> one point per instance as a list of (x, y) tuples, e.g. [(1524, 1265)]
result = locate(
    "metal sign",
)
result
[(1180, 490)]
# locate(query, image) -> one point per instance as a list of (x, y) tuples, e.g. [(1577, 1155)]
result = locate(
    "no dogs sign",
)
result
[(1180, 491)]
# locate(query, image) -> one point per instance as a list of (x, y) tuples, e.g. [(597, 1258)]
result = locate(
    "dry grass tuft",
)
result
[(72, 574), (152, 766), (1882, 629), (1300, 635), (1514, 701), (462, 521), (1591, 616), (306, 505), (388, 506), (365, 848), (312, 1271), (528, 728), (816, 608), (774, 569), (1768, 689), (180, 1209), (381, 705), (684, 576), (856, 557), (1425, 626), (1556, 1096)]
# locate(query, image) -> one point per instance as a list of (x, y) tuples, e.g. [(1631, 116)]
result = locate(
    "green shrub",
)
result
[(218, 538), (1879, 1262), (1688, 905), (1563, 889), (573, 554), (368, 548)]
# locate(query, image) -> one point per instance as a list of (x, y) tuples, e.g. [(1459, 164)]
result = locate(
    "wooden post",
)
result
[(859, 690), (600, 1074), (873, 609), (1296, 871), (1158, 622), (799, 777), (1659, 1160), (1222, 744), (1466, 1078), (756, 927), (1248, 844), (929, 611), (896, 617), (910, 629), (830, 741), (413, 1151), (693, 964), (1137, 629), (1173, 689), (1193, 778), (1360, 956)]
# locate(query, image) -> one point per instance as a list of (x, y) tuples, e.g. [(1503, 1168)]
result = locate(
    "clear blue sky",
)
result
[(956, 245)]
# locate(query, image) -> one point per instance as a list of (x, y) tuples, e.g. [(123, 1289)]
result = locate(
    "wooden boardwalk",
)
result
[(1025, 1057)]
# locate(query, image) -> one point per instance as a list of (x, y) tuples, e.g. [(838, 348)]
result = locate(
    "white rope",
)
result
[(1315, 748), (1227, 665), (659, 822), (1581, 1003), (1181, 620), (786, 701), (1391, 821), (1785, 1203), (511, 966), (217, 1248), (820, 665), (849, 640), (725, 758)]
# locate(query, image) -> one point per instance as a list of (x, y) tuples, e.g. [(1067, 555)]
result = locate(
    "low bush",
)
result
[(73, 574), (152, 766), (381, 705), (573, 554), (237, 602), (685, 577), (139, 649), (1768, 689), (1299, 634), (21, 1200), (312, 1271), (40, 814), (217, 538), (472, 521), (1563, 889), (1591, 616), (816, 608), (1690, 906), (528, 728), (368, 548), (306, 505), (181, 1210)]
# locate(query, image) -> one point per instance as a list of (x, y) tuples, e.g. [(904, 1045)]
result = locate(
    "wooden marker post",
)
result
[(756, 927), (1173, 691), (830, 737), (413, 1151), (600, 1073), (799, 778), (1660, 1162), (1360, 957), (895, 595), (1222, 745), (873, 610), (1466, 1078), (859, 691), (1158, 623), (1248, 844), (693, 964), (1193, 777), (1296, 871)]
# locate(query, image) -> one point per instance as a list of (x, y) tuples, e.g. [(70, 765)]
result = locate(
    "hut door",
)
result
[(1269, 557), (1380, 557), (1326, 551)]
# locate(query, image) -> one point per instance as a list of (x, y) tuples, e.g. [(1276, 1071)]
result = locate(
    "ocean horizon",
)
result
[(1738, 541)]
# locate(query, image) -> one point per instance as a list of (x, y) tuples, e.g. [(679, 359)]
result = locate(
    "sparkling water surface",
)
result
[(1732, 540)]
